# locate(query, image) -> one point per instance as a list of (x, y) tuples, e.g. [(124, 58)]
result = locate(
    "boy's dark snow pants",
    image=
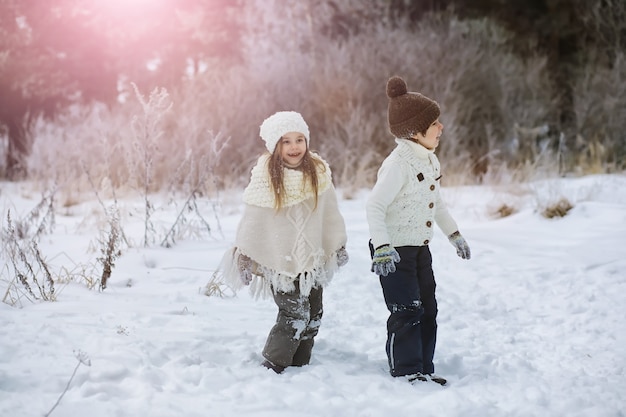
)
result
[(291, 340), (412, 326)]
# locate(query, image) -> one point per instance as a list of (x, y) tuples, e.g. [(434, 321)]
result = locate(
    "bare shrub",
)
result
[(193, 175), (558, 209), (144, 153), (600, 106), (23, 260), (550, 198), (21, 255), (353, 170), (221, 109), (82, 136), (601, 110), (110, 246), (504, 210), (41, 218)]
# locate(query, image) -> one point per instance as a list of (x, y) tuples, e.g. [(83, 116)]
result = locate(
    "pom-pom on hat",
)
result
[(408, 113), (275, 126)]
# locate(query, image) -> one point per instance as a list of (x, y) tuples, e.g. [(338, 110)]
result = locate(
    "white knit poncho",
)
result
[(298, 241)]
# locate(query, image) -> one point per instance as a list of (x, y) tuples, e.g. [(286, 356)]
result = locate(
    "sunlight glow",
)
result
[(124, 8)]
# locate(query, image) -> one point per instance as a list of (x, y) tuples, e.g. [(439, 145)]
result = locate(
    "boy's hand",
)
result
[(462, 248), (384, 260)]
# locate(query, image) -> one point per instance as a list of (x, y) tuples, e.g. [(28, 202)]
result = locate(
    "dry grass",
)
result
[(558, 209), (504, 210), (216, 288)]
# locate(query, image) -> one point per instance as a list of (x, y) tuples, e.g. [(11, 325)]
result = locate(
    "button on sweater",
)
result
[(405, 201)]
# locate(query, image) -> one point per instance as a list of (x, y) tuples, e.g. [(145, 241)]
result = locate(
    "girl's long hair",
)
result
[(276, 170)]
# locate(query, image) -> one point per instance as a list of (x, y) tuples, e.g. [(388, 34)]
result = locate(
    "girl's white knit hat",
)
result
[(275, 126)]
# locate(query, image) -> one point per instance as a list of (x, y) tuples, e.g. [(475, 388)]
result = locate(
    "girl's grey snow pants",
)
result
[(290, 341)]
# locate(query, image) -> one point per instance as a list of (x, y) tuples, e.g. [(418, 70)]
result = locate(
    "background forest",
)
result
[(169, 94)]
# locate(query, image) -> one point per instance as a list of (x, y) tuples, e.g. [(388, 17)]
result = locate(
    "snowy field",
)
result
[(533, 325)]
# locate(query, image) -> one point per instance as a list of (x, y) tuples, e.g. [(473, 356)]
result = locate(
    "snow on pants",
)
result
[(412, 326), (290, 341)]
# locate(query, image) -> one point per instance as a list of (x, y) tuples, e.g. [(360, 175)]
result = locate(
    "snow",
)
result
[(532, 325)]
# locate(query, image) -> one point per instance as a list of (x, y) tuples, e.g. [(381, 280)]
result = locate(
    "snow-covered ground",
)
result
[(532, 325)]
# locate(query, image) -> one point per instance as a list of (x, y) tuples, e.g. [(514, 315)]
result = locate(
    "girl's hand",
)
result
[(245, 269), (342, 256)]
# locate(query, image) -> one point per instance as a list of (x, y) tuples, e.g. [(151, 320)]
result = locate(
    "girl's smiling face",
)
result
[(292, 148)]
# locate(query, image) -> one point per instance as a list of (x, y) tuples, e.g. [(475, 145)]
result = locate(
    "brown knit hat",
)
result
[(409, 113)]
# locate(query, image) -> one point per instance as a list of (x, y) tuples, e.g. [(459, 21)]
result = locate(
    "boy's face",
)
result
[(292, 148), (431, 139)]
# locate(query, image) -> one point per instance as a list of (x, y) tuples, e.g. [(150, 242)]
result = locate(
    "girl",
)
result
[(290, 240), (401, 211)]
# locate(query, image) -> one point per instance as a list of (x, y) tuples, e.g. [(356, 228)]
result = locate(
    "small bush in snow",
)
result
[(558, 209)]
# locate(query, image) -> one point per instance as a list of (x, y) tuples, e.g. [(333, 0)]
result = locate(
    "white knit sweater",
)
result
[(405, 202)]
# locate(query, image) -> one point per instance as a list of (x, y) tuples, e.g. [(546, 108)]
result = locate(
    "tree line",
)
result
[(62, 53)]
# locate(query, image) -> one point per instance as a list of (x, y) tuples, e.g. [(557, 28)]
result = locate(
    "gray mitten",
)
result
[(342, 256), (462, 248), (245, 266), (384, 260)]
